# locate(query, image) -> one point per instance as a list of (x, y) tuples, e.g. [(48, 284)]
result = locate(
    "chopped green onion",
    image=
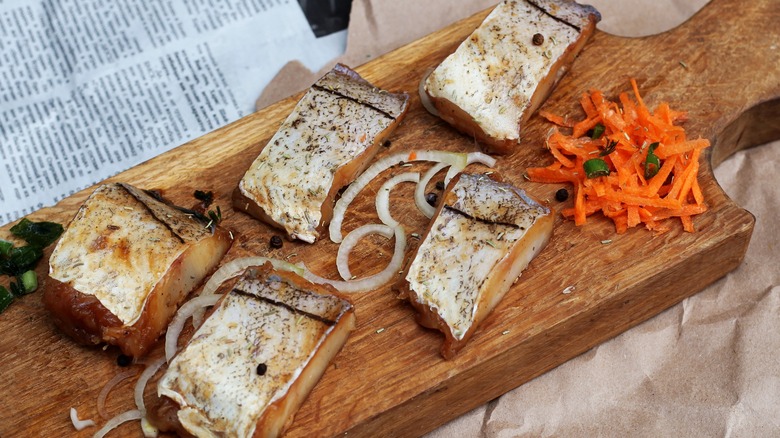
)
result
[(652, 163), (6, 298), (595, 167), (29, 280), (598, 130), (20, 260), (5, 247)]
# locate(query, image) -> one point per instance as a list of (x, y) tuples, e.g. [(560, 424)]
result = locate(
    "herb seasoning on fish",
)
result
[(482, 238), (329, 138)]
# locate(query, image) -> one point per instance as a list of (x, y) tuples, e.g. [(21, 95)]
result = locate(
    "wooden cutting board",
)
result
[(389, 380)]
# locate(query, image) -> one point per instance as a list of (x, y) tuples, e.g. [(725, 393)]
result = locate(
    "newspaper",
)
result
[(91, 88)]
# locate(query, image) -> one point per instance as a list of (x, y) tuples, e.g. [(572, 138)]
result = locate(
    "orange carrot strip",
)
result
[(546, 175), (687, 223), (663, 173), (636, 93), (666, 150), (553, 145), (587, 105), (558, 120), (633, 216), (582, 127), (625, 196), (579, 206), (689, 176), (685, 210)]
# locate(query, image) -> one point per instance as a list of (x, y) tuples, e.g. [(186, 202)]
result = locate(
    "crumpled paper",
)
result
[(706, 367)]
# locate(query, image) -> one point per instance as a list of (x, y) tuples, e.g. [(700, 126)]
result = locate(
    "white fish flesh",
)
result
[(330, 137), (482, 237), (500, 75), (125, 264), (254, 360)]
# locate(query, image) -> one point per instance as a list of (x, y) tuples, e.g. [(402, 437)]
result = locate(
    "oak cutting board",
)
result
[(389, 380)]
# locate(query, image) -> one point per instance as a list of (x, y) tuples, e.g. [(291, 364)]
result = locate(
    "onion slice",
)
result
[(101, 400), (424, 98), (176, 326), (419, 191), (79, 424), (473, 157), (372, 282), (349, 195), (383, 197), (349, 242), (113, 423), (230, 270), (151, 369)]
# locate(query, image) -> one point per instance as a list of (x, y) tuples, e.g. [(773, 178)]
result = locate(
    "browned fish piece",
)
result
[(254, 360), (330, 137), (482, 237), (489, 87), (124, 265)]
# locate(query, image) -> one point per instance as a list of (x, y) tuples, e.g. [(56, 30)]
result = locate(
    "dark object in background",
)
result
[(326, 16)]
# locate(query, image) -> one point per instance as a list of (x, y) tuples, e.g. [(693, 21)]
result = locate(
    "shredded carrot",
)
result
[(558, 120), (628, 196), (412, 156)]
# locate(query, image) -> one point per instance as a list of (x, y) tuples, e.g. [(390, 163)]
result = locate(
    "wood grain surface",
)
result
[(389, 380)]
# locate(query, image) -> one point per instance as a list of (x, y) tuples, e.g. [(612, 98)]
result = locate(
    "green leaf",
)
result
[(40, 234)]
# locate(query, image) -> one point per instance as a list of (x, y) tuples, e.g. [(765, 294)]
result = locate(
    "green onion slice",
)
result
[(5, 247), (598, 130), (652, 163), (595, 167), (29, 281)]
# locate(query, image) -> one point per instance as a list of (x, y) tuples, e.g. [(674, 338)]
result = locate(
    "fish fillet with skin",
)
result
[(489, 87), (124, 265), (330, 137), (484, 234), (254, 360)]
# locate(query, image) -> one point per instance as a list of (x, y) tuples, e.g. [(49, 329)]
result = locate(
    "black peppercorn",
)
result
[(561, 195), (261, 369), (538, 39), (440, 185), (431, 199), (386, 143), (276, 242), (123, 360)]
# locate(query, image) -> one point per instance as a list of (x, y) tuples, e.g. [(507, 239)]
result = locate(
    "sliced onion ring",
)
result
[(383, 197), (425, 99), (451, 158), (351, 239), (101, 400), (79, 424), (473, 157), (372, 282), (419, 191), (176, 326), (148, 429), (113, 423), (233, 268)]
